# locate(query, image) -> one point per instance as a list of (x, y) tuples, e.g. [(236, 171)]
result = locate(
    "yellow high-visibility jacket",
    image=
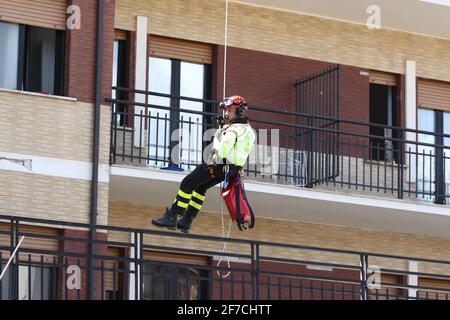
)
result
[(234, 143)]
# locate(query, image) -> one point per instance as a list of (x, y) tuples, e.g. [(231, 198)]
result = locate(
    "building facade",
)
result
[(109, 103)]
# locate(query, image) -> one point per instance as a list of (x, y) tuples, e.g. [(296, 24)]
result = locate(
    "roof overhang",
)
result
[(426, 17)]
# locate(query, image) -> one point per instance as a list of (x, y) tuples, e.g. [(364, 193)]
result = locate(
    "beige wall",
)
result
[(280, 231), (291, 34), (55, 128), (51, 127), (45, 197)]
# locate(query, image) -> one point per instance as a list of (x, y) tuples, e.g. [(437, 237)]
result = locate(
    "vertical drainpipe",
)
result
[(96, 145)]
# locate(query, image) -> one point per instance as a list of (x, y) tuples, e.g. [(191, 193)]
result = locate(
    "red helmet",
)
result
[(235, 102)]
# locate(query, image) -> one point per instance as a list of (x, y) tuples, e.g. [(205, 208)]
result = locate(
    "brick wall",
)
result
[(267, 80), (80, 52), (77, 246), (295, 287), (51, 127), (290, 232), (289, 33), (53, 198)]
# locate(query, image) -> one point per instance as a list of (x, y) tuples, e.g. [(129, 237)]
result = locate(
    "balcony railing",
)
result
[(305, 150), (133, 264)]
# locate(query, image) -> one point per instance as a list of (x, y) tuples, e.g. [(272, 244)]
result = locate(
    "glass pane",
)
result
[(115, 71), (447, 156), (115, 66), (168, 282), (160, 74), (5, 287), (187, 284), (40, 278), (9, 55), (425, 158), (154, 282), (41, 45), (191, 130)]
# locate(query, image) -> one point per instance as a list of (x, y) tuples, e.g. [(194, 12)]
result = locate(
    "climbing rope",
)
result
[(225, 49), (225, 243), (227, 236)]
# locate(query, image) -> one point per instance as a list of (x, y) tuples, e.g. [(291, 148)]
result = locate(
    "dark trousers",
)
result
[(192, 192)]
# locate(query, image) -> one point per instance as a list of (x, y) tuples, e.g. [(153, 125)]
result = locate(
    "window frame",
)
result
[(59, 61), (175, 89)]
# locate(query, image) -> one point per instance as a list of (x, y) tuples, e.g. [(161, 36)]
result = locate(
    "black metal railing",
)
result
[(295, 148), (146, 264)]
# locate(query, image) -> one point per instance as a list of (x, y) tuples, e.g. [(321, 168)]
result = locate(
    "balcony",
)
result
[(140, 264), (294, 149)]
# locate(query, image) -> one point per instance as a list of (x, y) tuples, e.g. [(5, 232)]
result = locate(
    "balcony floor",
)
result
[(326, 205)]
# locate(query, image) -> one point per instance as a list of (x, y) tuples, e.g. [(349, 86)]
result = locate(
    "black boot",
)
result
[(184, 224), (168, 220)]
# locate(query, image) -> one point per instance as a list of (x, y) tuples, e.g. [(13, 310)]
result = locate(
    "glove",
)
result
[(220, 121)]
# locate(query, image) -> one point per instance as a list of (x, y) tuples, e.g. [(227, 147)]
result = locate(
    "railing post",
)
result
[(310, 169), (11, 284), (141, 257), (439, 183), (255, 270), (363, 275), (15, 265), (400, 170), (112, 147)]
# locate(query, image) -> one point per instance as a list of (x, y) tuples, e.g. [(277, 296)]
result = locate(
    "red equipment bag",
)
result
[(236, 201)]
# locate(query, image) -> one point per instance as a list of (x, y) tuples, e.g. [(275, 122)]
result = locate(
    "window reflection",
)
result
[(191, 85), (425, 159), (171, 282), (9, 55), (159, 80), (178, 78)]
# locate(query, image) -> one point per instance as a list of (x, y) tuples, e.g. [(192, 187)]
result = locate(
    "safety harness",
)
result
[(235, 198)]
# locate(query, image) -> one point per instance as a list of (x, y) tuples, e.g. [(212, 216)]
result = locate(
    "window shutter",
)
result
[(120, 34), (385, 78), (43, 13), (434, 283), (164, 47), (433, 94)]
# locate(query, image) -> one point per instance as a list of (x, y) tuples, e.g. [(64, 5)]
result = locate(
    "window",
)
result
[(382, 111), (177, 78), (32, 58), (172, 282), (118, 78), (35, 283), (433, 181), (425, 159), (160, 80), (5, 293), (9, 55)]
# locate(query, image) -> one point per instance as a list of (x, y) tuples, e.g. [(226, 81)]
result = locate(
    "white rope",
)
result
[(225, 243), (226, 237), (225, 49), (12, 257)]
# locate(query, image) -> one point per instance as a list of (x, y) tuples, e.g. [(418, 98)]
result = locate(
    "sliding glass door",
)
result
[(426, 155), (160, 81), (191, 129), (9, 55), (175, 137), (433, 171)]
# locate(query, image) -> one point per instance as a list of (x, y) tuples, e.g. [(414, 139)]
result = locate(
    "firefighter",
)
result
[(231, 147)]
